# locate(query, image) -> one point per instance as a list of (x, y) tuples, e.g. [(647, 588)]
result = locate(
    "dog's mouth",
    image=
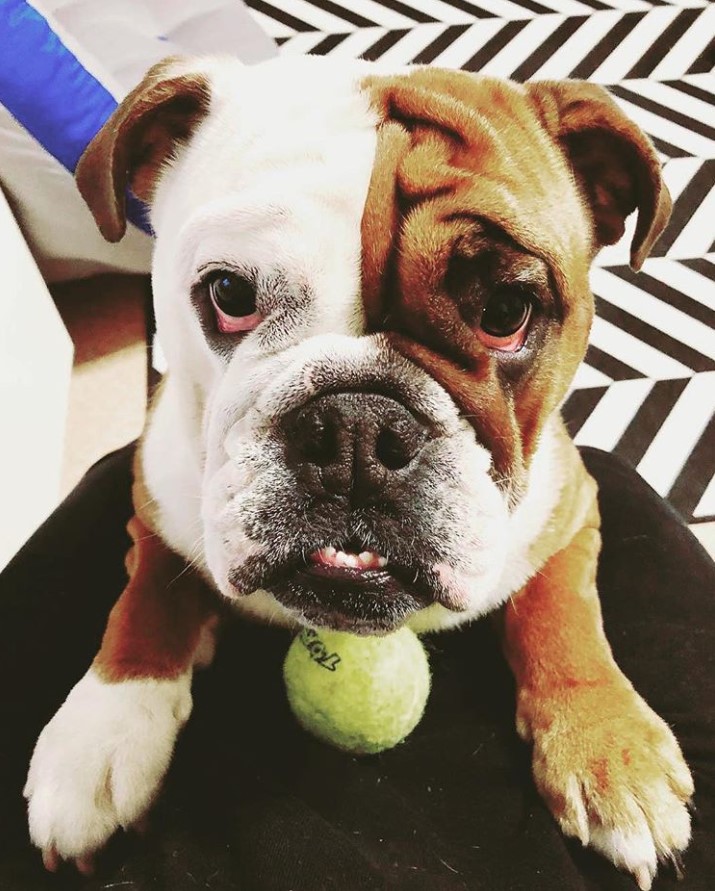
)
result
[(347, 588), (333, 562)]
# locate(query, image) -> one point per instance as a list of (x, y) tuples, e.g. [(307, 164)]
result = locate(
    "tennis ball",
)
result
[(361, 694)]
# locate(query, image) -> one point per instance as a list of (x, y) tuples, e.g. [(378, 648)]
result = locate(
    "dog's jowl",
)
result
[(372, 292)]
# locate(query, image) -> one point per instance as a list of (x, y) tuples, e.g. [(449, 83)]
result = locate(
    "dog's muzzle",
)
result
[(352, 452), (359, 461)]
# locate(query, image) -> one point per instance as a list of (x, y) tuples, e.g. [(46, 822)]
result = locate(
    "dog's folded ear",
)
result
[(138, 138), (614, 162)]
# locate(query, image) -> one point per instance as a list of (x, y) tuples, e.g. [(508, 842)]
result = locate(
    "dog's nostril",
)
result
[(318, 442), (391, 450)]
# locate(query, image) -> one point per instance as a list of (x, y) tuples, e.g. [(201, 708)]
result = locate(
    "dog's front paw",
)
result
[(99, 763), (612, 774)]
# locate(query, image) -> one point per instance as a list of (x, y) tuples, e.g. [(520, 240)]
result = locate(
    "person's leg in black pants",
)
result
[(253, 803)]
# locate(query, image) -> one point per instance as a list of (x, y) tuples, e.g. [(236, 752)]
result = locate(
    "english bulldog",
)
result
[(372, 289)]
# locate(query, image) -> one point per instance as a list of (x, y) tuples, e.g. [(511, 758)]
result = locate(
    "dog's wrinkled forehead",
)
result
[(463, 160), (276, 132), (557, 165), (481, 184), (283, 160), (469, 149)]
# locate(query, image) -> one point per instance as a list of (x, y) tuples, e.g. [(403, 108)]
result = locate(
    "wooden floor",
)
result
[(106, 319)]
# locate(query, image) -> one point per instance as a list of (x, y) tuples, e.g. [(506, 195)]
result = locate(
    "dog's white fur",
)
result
[(279, 170), (99, 763)]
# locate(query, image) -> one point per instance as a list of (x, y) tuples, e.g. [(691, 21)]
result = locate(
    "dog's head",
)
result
[(372, 292)]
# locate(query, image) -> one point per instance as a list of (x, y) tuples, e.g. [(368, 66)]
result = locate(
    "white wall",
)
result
[(35, 370)]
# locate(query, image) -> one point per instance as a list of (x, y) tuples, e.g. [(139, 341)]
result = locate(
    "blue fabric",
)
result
[(50, 93)]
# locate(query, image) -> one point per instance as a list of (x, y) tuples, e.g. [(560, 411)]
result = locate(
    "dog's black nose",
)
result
[(352, 443)]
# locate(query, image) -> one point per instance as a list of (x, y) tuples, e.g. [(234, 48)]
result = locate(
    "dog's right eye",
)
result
[(504, 322), (234, 302)]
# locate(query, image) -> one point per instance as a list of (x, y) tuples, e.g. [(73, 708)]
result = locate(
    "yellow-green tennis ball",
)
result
[(361, 694)]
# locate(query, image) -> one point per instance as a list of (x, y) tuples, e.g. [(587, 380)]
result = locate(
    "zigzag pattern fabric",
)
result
[(647, 387)]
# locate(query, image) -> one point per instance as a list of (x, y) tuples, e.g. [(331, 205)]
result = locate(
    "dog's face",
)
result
[(372, 292)]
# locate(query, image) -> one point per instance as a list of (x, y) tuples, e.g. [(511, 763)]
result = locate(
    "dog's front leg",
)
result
[(608, 767), (99, 763)]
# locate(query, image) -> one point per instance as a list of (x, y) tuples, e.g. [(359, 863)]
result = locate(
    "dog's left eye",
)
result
[(234, 302), (504, 323)]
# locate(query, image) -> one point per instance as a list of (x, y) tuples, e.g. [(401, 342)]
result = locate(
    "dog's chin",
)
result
[(372, 601)]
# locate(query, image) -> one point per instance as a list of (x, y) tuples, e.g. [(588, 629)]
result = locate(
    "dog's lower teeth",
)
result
[(330, 556)]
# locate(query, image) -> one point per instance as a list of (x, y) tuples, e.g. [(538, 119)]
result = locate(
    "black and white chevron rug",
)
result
[(647, 388)]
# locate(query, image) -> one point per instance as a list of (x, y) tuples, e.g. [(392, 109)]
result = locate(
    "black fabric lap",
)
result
[(253, 803)]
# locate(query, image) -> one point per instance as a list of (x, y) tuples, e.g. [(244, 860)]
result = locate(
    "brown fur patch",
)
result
[(553, 632), (154, 628), (615, 163), (381, 220), (601, 774), (139, 137), (470, 151), (456, 152)]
